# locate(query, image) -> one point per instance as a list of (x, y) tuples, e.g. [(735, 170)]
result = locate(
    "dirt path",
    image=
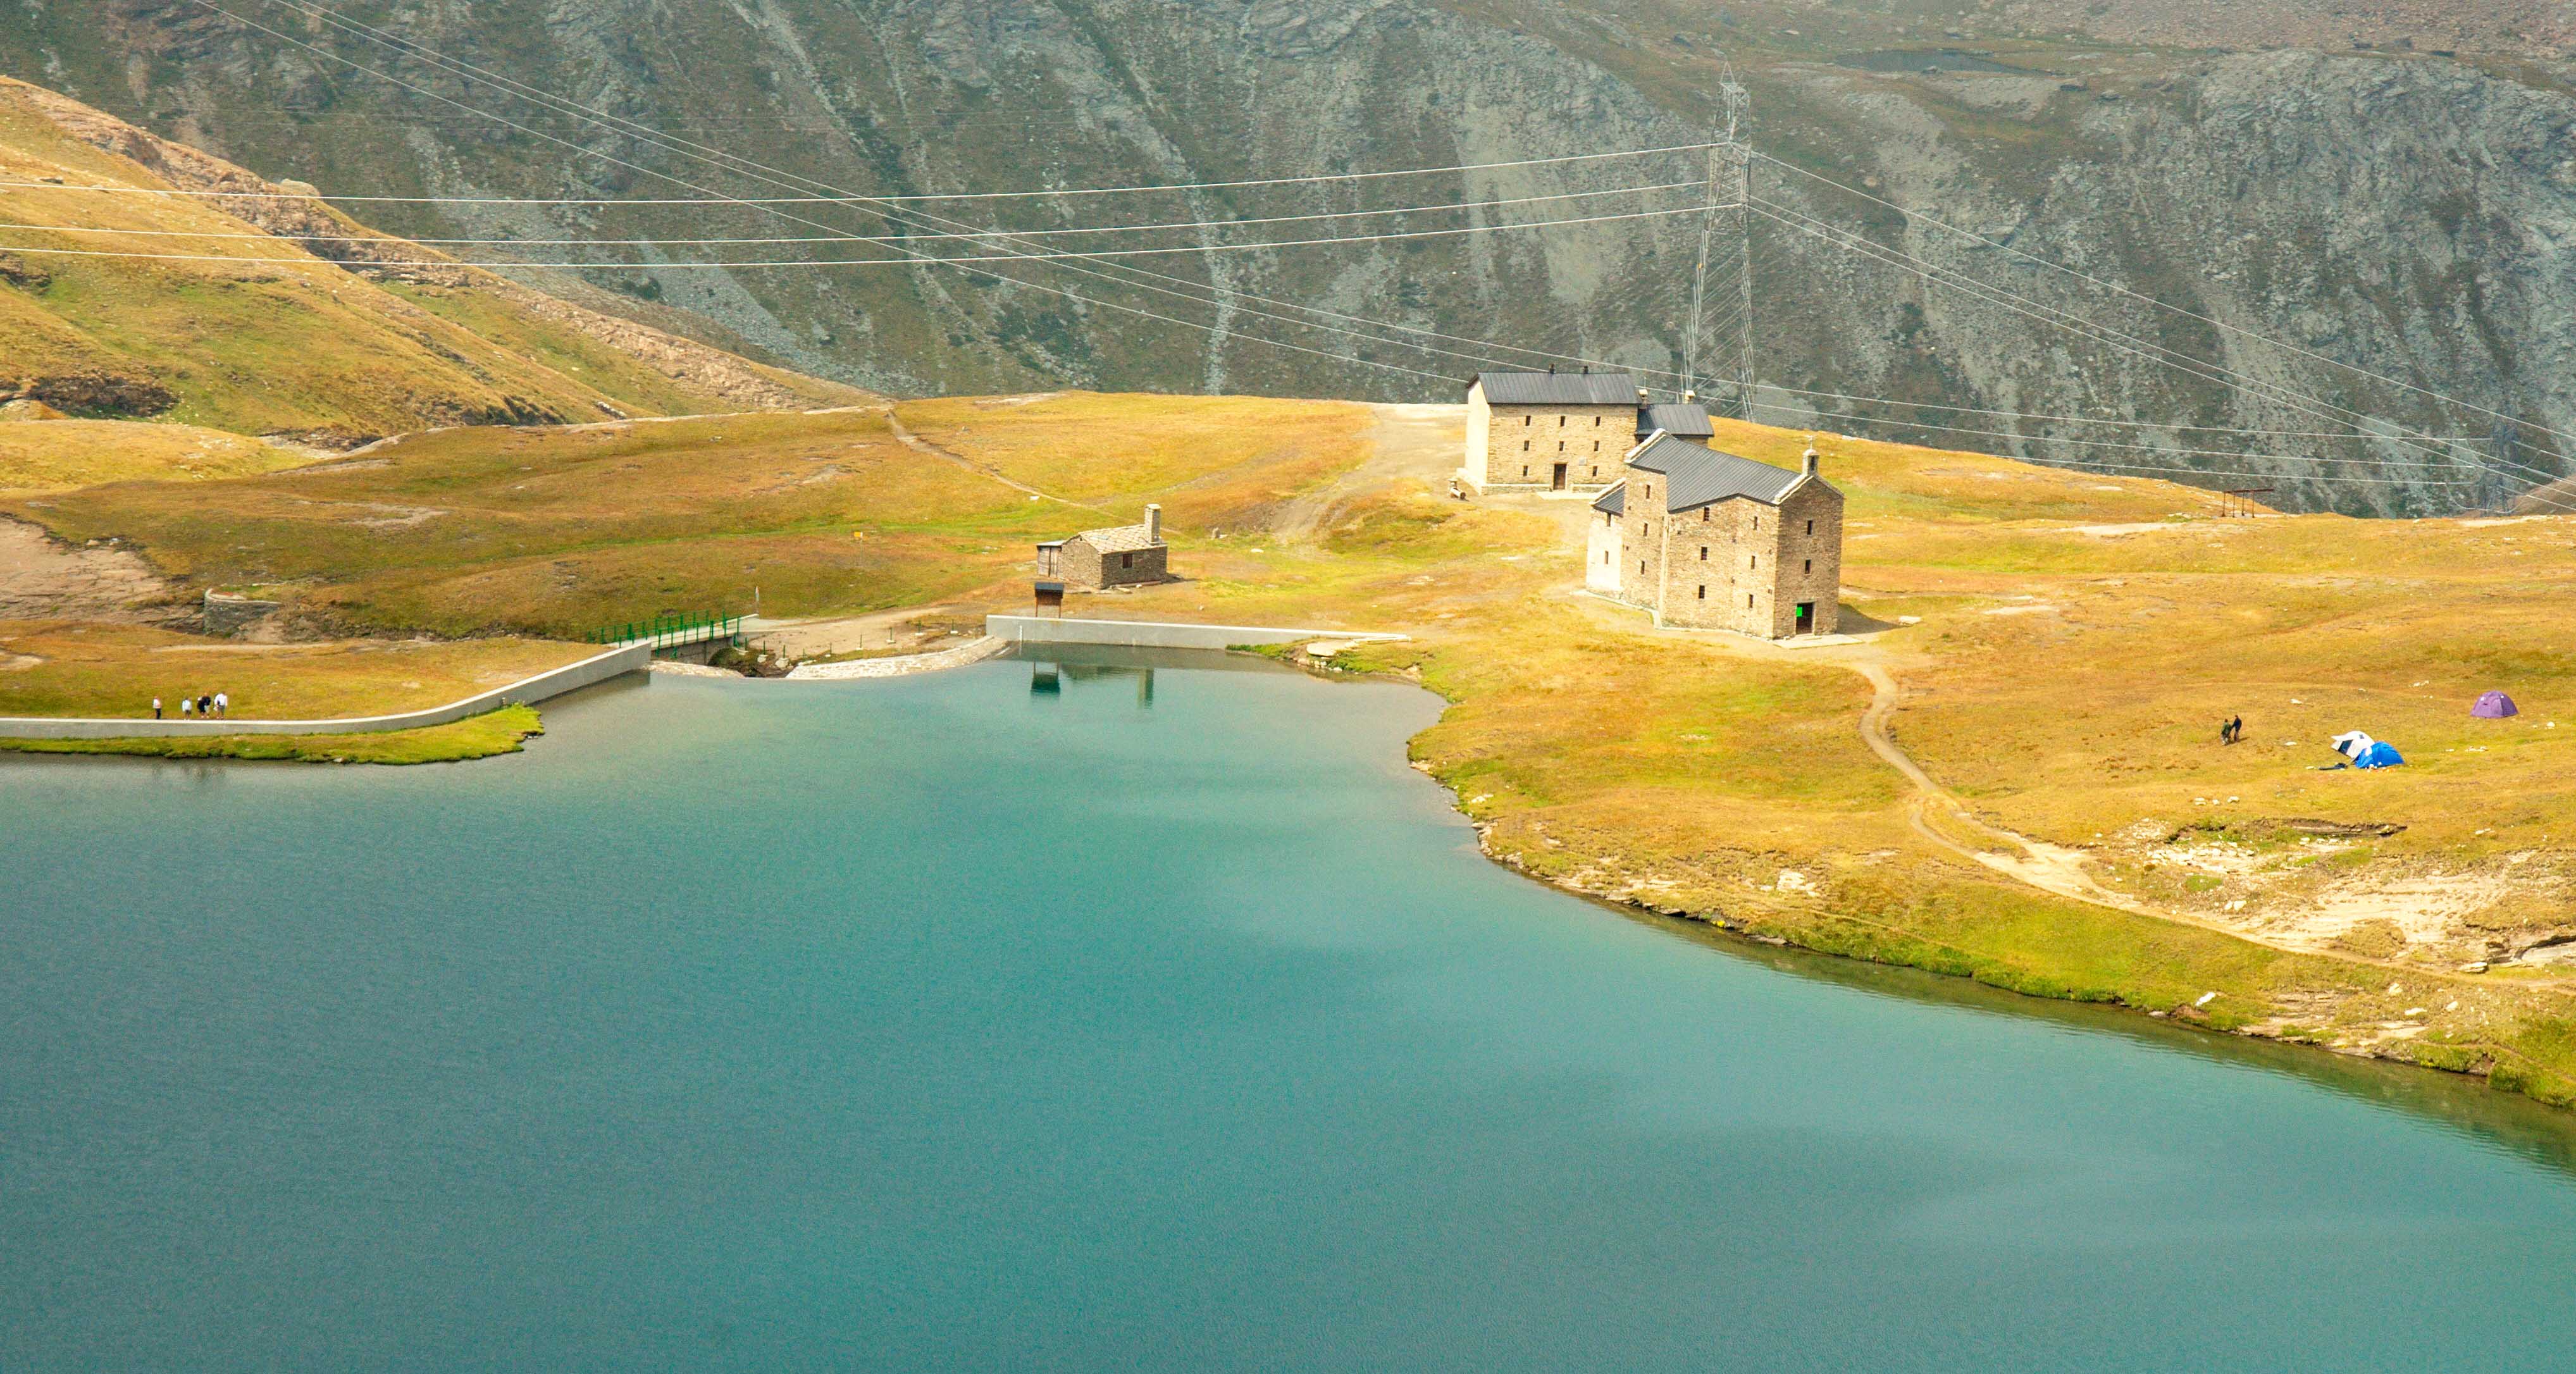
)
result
[(1411, 443), (2037, 863), (2048, 867), (44, 579), (918, 444)]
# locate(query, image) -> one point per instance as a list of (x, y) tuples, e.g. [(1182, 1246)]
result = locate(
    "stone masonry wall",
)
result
[(1808, 553), (1088, 568), (1642, 535), (1707, 583), (1603, 550), (1523, 443)]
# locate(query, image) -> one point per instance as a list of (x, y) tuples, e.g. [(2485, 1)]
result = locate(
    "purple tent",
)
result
[(2494, 706)]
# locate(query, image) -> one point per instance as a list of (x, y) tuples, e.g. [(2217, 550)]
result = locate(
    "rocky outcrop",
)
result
[(95, 395)]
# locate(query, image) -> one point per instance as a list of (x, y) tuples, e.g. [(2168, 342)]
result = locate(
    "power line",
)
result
[(771, 175), (2125, 424), (707, 191), (1087, 255), (896, 238), (2064, 319), (2161, 305), (845, 199), (2106, 443)]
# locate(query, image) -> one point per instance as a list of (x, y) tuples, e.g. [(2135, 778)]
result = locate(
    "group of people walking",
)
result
[(214, 707)]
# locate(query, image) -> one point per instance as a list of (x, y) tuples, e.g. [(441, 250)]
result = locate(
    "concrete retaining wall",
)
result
[(1142, 634), (597, 668)]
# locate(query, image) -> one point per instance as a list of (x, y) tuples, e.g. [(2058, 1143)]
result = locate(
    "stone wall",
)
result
[(1603, 548), (1084, 567), (1516, 448), (1710, 555), (1809, 556), (1142, 634), (230, 615)]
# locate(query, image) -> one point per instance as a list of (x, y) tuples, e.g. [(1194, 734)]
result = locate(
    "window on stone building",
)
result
[(1703, 553), (1703, 593), (1528, 420), (1524, 445), (1524, 469), (1560, 446), (1811, 529), (1641, 567), (1754, 562), (1596, 422), (1811, 565), (1560, 422), (1748, 601)]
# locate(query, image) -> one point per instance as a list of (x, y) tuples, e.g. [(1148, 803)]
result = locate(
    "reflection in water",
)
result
[(1047, 678)]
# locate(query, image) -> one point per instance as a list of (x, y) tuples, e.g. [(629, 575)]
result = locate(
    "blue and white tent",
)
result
[(2366, 752)]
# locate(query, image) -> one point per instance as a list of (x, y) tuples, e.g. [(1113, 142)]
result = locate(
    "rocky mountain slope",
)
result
[(2396, 212)]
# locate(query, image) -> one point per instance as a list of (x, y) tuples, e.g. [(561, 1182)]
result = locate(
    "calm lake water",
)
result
[(976, 1021)]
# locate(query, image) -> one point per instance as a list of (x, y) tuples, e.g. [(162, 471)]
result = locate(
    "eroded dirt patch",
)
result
[(42, 578)]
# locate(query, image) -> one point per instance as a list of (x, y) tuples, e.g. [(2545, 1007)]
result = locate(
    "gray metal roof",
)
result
[(1559, 388), (1697, 475), (1613, 501), (1680, 419)]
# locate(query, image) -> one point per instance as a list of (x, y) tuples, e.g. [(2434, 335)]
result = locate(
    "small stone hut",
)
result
[(1709, 540), (1121, 556)]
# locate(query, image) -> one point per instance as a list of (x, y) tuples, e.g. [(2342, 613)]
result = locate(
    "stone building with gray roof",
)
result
[(1548, 431), (1709, 540), (1123, 555)]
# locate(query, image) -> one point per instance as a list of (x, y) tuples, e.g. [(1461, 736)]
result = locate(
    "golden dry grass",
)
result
[(561, 530), (256, 335), (53, 668), (62, 455)]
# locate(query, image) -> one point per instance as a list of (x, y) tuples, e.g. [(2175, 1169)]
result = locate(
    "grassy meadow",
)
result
[(40, 456), (556, 531)]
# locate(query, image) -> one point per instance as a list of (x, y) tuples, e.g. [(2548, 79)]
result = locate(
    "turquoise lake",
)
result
[(1034, 1018)]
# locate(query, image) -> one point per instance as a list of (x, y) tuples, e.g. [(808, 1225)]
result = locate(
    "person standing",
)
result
[(205, 705), (224, 705), (156, 708), (187, 707)]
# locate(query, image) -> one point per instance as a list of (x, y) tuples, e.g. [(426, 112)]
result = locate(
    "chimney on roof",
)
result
[(1811, 455), (1644, 396), (1690, 398), (1154, 519), (1551, 369)]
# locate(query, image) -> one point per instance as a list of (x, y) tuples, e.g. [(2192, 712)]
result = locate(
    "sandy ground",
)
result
[(41, 579), (1414, 443), (848, 634), (972, 651)]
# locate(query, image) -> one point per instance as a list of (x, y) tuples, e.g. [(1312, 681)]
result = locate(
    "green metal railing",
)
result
[(670, 630)]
